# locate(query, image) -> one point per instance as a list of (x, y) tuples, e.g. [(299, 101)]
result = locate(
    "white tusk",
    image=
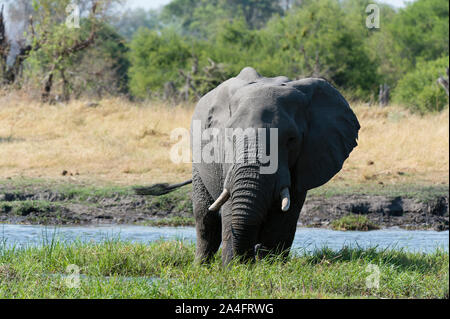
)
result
[(220, 201), (285, 199)]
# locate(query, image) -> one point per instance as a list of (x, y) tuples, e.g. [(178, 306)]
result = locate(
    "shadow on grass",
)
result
[(400, 259), (10, 139)]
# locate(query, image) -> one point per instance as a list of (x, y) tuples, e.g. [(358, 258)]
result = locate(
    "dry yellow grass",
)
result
[(125, 143), (395, 146)]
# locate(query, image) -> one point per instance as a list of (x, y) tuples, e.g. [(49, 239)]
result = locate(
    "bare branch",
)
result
[(80, 45)]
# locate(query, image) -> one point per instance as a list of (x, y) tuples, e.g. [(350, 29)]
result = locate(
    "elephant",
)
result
[(250, 213)]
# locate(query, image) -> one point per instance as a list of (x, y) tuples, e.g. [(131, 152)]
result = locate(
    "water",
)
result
[(306, 239)]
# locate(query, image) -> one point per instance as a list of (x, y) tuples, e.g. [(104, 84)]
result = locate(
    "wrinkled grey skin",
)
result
[(317, 130)]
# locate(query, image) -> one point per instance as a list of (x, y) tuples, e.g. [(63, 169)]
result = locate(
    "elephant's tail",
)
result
[(159, 189)]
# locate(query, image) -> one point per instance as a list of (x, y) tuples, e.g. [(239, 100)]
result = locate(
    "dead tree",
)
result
[(46, 89), (10, 72), (4, 45), (201, 80), (443, 82), (188, 80), (64, 53), (170, 91), (189, 85), (383, 96)]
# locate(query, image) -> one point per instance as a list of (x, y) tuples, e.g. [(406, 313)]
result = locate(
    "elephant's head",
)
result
[(317, 130)]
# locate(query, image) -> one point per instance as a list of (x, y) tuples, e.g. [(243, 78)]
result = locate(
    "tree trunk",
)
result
[(383, 96), (45, 96), (65, 87), (443, 82)]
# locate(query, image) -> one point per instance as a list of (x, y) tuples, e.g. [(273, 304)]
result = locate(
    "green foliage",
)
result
[(53, 36), (102, 67), (416, 33), (327, 42), (353, 222), (176, 221), (131, 20), (315, 39), (421, 31), (212, 40), (203, 18), (155, 59), (236, 46), (418, 89)]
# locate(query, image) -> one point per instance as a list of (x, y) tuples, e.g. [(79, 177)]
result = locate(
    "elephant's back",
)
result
[(216, 107)]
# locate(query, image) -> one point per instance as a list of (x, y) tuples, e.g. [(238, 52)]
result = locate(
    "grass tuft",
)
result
[(175, 221), (353, 222)]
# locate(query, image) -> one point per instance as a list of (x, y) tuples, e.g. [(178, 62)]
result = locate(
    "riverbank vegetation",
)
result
[(353, 222), (115, 269), (67, 202)]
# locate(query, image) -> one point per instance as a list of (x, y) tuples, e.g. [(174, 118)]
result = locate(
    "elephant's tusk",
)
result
[(220, 200), (285, 199)]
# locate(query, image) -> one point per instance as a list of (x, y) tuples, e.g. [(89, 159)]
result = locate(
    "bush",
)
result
[(418, 89), (155, 59), (353, 222)]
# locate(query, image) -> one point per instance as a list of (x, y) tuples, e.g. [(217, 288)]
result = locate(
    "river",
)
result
[(306, 239)]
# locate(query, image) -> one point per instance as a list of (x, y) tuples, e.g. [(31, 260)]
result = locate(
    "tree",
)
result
[(421, 31), (255, 12), (101, 68), (416, 33), (52, 44), (419, 90), (328, 42), (156, 59), (202, 18), (14, 48), (128, 23)]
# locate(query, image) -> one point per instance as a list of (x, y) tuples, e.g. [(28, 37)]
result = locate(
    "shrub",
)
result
[(353, 222), (155, 59), (418, 89)]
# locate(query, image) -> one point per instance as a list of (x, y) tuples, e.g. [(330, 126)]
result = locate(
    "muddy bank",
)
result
[(385, 211), (37, 204)]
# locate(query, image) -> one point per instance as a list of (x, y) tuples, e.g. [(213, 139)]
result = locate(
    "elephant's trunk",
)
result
[(250, 200)]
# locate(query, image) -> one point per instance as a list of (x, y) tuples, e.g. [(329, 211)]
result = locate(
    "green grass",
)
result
[(179, 199), (115, 269), (26, 207), (353, 222), (423, 193), (83, 191), (175, 221)]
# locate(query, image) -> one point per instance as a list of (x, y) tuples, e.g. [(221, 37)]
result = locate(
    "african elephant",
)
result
[(234, 203)]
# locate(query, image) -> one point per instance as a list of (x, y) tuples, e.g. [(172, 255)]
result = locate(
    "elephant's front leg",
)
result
[(278, 231), (208, 224)]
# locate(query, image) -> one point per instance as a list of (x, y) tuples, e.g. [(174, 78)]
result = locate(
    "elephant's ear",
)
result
[(331, 134)]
